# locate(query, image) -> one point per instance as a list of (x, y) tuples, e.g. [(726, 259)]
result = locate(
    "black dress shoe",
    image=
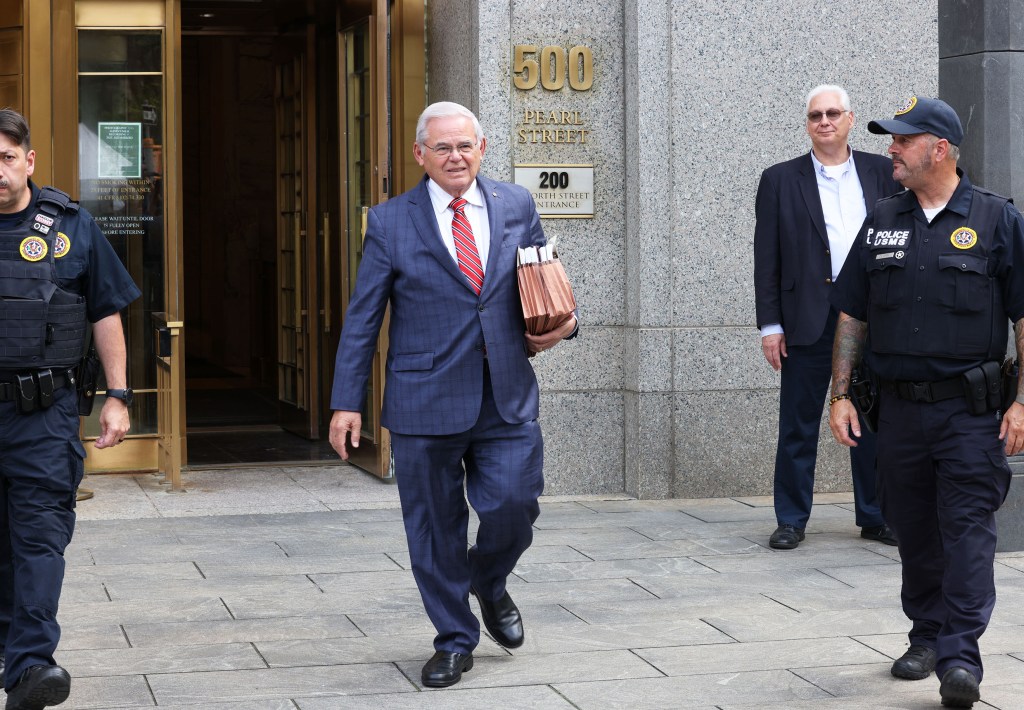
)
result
[(959, 688), (880, 533), (39, 687), (917, 663), (502, 619), (786, 537), (446, 668)]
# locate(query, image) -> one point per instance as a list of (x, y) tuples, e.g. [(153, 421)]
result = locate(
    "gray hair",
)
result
[(444, 109), (844, 98)]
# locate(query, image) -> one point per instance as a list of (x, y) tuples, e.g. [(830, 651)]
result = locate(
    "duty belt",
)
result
[(42, 382), (925, 391)]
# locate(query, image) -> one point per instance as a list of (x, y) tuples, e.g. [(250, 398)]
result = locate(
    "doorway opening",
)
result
[(231, 255)]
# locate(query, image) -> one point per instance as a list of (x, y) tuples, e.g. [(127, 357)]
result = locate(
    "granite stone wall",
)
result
[(665, 392)]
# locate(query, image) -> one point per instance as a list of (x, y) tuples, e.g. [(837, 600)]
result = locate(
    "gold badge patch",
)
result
[(907, 106), (32, 249), (963, 238), (61, 245)]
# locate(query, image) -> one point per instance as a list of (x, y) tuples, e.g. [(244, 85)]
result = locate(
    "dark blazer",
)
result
[(792, 264), (440, 329)]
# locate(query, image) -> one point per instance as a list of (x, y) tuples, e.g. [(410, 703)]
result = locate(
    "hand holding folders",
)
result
[(544, 289)]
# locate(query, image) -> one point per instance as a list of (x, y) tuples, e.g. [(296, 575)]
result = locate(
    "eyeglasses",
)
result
[(443, 150), (832, 114)]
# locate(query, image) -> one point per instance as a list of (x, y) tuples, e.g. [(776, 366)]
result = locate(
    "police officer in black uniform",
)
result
[(934, 275), (58, 275)]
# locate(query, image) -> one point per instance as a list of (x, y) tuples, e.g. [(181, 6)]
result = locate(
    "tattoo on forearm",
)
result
[(847, 350)]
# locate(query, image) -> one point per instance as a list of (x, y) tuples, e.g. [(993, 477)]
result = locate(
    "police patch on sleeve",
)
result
[(907, 106), (963, 238), (32, 248), (61, 245)]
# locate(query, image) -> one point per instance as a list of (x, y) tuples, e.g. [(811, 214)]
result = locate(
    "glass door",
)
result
[(365, 161), (121, 171)]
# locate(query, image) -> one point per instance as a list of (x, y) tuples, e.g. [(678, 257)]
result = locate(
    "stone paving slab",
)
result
[(800, 557), (693, 691), (326, 681), (280, 704), (376, 562), (359, 649), (161, 659), (238, 631), (132, 611), (632, 635), (916, 700), (611, 569), (769, 655), (534, 697), (766, 582), (828, 624), (195, 590), (114, 691), (77, 632), (354, 600), (538, 669)]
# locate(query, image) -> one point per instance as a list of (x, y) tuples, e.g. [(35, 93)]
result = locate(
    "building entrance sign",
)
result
[(559, 190)]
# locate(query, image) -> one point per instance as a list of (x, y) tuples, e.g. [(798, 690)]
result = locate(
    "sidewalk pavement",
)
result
[(290, 588)]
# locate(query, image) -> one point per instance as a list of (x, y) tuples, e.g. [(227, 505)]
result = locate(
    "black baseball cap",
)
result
[(923, 115)]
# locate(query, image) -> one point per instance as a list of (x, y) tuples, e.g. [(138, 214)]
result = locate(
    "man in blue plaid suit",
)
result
[(460, 396)]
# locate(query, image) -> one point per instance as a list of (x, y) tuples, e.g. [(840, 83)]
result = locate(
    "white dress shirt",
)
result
[(476, 213), (842, 203)]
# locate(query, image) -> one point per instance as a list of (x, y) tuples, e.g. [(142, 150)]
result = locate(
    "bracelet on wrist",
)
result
[(837, 398)]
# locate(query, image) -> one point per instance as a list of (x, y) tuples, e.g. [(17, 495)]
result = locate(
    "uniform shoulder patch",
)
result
[(32, 249), (61, 245), (906, 106), (963, 238)]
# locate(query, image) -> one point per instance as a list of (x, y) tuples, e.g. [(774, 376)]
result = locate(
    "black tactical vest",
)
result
[(939, 298), (41, 324)]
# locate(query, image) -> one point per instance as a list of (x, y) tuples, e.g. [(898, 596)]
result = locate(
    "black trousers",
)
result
[(41, 465), (943, 474)]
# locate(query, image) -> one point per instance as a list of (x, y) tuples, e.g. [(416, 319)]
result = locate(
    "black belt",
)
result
[(7, 380), (925, 391)]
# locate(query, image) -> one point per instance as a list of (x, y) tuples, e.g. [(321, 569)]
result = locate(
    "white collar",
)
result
[(441, 199)]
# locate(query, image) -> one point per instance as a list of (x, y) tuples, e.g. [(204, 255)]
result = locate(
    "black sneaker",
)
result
[(786, 537), (959, 688), (916, 664), (39, 687)]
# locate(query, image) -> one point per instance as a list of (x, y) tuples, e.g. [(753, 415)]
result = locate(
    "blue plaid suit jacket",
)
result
[(440, 329)]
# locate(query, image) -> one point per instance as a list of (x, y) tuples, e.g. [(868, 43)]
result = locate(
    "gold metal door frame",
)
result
[(55, 112), (374, 452)]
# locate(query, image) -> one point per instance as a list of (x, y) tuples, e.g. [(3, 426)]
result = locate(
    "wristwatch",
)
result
[(126, 395)]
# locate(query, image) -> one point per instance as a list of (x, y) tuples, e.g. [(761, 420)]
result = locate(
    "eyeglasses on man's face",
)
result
[(443, 150), (832, 114)]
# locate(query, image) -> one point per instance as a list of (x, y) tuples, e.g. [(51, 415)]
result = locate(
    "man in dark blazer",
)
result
[(460, 396), (809, 211)]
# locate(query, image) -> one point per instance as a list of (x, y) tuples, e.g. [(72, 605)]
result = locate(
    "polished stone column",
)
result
[(981, 75)]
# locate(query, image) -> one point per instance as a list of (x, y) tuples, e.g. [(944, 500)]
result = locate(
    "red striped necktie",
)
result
[(465, 245)]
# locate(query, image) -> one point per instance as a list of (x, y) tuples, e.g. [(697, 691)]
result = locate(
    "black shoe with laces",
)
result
[(916, 664), (786, 537)]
